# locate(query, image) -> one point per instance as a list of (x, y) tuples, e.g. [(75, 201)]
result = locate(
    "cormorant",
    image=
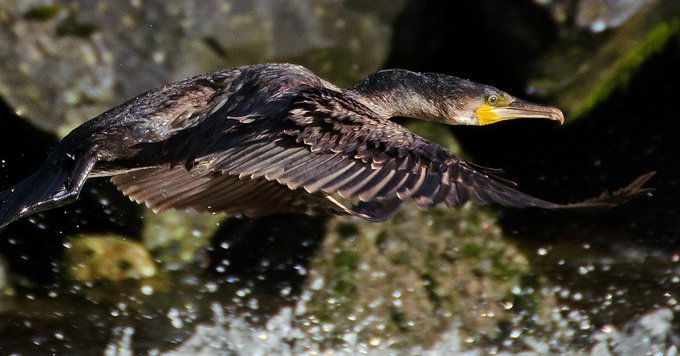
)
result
[(277, 138)]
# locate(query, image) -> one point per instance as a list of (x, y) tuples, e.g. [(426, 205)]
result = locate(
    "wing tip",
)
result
[(609, 200)]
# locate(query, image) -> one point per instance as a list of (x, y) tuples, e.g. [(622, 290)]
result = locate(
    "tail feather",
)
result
[(58, 182)]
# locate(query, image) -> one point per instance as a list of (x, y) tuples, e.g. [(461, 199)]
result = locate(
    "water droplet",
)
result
[(147, 290), (211, 287), (243, 292), (316, 284), (300, 269), (327, 327), (598, 26)]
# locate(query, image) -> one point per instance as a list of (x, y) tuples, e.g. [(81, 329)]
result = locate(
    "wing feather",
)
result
[(310, 148)]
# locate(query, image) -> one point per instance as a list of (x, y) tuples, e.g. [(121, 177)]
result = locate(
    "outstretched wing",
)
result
[(323, 150)]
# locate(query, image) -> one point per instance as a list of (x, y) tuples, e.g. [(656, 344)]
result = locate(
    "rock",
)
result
[(582, 71), (593, 15), (65, 62), (176, 236), (400, 284), (91, 258)]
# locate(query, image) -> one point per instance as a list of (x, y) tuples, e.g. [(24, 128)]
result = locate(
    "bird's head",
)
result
[(446, 99)]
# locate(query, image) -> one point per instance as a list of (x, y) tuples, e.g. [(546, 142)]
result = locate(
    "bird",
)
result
[(269, 138)]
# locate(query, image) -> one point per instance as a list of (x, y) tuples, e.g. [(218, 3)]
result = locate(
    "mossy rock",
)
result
[(403, 282), (578, 74), (176, 236), (91, 258)]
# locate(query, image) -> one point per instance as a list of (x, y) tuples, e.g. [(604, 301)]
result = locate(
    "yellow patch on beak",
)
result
[(487, 116)]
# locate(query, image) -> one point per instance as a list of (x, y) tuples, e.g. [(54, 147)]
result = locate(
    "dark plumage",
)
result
[(276, 138)]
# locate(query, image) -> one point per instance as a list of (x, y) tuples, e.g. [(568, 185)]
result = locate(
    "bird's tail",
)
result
[(56, 183)]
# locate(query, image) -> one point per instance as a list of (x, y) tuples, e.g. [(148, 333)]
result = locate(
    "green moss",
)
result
[(347, 229), (501, 268), (471, 250), (431, 285), (625, 66), (342, 289), (176, 236), (71, 26), (527, 302), (215, 46), (107, 257), (346, 260), (381, 241), (399, 320), (401, 258), (44, 12)]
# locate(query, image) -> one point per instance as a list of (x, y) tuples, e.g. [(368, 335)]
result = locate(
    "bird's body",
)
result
[(277, 138)]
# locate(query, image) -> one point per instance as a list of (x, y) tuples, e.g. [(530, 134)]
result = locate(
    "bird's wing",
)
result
[(339, 147), (325, 150), (162, 188)]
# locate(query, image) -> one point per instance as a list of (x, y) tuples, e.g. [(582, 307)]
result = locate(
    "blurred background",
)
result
[(104, 275)]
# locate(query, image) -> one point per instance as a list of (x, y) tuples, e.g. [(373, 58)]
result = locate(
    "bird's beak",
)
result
[(517, 109)]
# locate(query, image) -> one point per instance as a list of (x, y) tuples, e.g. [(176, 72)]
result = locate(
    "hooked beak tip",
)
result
[(521, 108), (559, 116)]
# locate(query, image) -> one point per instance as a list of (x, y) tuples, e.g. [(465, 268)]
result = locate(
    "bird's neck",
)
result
[(396, 92)]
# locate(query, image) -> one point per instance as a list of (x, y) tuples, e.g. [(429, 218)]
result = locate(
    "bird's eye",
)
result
[(492, 100)]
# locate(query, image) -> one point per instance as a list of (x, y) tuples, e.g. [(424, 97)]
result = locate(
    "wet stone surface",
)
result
[(583, 70), (64, 62)]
